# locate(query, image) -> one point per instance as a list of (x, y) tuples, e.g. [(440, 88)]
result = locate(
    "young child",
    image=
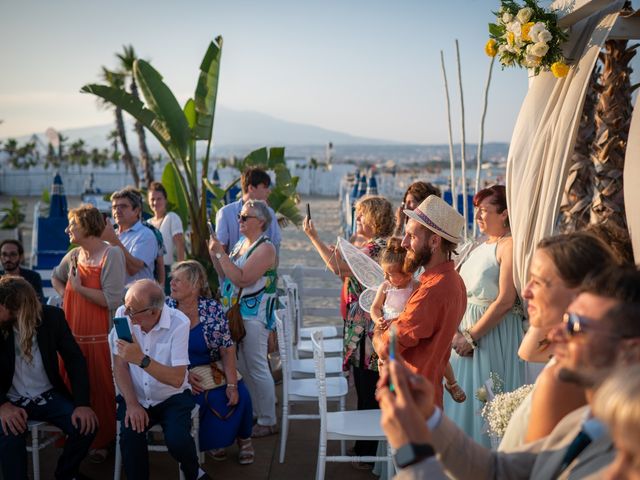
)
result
[(393, 295)]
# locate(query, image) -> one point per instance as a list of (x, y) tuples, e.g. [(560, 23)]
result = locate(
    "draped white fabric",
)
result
[(631, 181), (544, 138)]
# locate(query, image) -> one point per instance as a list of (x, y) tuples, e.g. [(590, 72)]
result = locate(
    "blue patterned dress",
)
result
[(497, 351), (220, 425)]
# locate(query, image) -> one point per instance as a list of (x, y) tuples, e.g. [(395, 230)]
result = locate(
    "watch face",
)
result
[(412, 453), (145, 361)]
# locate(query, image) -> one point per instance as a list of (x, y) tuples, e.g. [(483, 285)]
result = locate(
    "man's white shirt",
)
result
[(167, 343)]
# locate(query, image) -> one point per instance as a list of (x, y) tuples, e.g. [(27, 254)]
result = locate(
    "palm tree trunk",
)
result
[(612, 120), (127, 158), (145, 158), (576, 201)]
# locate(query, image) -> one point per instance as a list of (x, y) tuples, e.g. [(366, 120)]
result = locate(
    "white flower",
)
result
[(531, 61), (534, 32), (498, 411), (539, 49), (506, 17), (514, 27), (545, 36), (524, 14)]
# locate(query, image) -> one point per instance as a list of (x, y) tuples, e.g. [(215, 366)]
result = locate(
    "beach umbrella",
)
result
[(354, 190), (58, 203), (372, 188), (362, 187)]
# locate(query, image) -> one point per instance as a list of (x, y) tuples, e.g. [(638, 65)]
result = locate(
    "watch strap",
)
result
[(144, 363), (412, 453)]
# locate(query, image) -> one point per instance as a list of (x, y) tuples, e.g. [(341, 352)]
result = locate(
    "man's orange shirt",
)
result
[(426, 327)]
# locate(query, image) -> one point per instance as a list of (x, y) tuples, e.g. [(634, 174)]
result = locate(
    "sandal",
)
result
[(98, 455), (456, 392), (218, 454), (263, 430), (246, 455)]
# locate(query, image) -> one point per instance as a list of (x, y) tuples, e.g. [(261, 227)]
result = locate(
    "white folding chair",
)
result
[(43, 434), (305, 367), (195, 430), (295, 312), (351, 425), (302, 390)]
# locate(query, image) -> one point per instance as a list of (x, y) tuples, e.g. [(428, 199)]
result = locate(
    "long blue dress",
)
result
[(497, 351), (205, 339)]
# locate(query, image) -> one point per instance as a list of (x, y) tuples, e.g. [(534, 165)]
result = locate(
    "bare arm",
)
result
[(229, 364), (58, 285), (331, 257), (261, 260), (132, 264), (123, 380), (178, 243), (376, 312), (131, 353), (552, 401), (506, 293)]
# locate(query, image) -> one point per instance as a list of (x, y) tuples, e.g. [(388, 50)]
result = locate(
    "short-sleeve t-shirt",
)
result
[(169, 226)]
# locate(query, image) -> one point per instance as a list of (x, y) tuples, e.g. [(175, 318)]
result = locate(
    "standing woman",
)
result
[(374, 223), (414, 196), (251, 267), (491, 329), (90, 279), (170, 227), (225, 412)]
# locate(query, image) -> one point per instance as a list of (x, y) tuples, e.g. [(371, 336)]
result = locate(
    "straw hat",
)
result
[(439, 217)]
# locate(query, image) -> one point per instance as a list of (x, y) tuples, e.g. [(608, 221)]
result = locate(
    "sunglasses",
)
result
[(577, 324), (244, 218)]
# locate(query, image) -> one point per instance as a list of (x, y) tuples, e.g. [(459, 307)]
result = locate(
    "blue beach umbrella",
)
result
[(58, 203), (362, 187), (372, 188)]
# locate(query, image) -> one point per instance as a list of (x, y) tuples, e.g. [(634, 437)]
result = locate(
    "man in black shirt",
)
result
[(12, 256)]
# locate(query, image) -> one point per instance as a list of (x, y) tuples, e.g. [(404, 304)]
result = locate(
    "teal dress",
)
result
[(497, 351)]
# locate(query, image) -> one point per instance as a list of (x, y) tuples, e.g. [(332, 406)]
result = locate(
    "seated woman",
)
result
[(558, 267), (249, 273), (225, 412)]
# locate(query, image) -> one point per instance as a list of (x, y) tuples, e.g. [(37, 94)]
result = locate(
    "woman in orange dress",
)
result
[(90, 279)]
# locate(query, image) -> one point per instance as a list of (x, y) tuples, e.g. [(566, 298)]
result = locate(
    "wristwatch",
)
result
[(218, 255), (144, 363), (412, 453)]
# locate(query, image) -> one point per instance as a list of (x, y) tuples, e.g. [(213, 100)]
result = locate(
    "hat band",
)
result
[(428, 221)]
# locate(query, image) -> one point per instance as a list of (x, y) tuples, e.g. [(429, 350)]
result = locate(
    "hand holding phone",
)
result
[(393, 341), (74, 265), (308, 211), (212, 232), (122, 329)]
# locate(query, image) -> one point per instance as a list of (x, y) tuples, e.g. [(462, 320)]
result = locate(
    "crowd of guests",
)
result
[(444, 320)]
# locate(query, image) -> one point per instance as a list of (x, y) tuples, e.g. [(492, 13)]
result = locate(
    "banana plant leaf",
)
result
[(207, 91), (175, 193)]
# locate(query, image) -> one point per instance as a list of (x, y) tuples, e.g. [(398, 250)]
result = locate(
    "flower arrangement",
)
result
[(527, 36), (498, 411), (496, 384)]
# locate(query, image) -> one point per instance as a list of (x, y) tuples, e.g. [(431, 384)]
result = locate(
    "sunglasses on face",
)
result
[(244, 217), (577, 324)]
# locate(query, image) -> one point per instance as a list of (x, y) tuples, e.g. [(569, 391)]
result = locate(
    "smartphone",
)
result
[(122, 329), (212, 232), (393, 341), (74, 265), (308, 212)]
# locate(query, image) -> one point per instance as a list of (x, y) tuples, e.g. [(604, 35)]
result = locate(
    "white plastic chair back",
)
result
[(321, 377), (283, 347)]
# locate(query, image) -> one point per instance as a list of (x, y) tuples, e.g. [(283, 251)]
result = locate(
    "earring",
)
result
[(505, 224)]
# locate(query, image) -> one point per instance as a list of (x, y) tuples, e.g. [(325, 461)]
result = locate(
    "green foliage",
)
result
[(13, 215)]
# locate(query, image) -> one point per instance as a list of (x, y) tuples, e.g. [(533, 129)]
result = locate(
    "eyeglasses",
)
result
[(244, 218), (130, 313), (577, 324), (120, 206), (9, 254)]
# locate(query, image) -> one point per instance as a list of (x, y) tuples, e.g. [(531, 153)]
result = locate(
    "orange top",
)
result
[(426, 327)]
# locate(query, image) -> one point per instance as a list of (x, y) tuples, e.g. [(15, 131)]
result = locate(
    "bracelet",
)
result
[(467, 336), (232, 385)]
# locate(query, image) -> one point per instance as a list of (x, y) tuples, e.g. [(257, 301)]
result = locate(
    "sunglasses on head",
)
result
[(577, 324), (244, 217)]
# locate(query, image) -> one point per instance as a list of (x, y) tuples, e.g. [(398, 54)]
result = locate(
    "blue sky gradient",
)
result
[(368, 68)]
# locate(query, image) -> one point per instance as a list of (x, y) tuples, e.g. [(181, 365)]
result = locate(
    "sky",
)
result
[(365, 67)]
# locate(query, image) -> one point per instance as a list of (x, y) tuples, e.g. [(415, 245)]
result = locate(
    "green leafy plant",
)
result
[(13, 215)]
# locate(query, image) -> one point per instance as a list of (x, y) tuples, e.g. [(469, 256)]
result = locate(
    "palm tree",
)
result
[(612, 121), (127, 59), (576, 201), (116, 80)]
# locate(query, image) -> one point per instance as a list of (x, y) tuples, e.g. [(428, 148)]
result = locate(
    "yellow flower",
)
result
[(490, 48), (559, 69), (510, 38), (525, 31)]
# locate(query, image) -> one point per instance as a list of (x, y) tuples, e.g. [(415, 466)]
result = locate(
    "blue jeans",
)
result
[(174, 415), (57, 411)]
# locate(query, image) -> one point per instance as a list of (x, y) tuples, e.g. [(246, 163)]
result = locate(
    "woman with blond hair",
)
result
[(374, 223), (90, 279), (225, 411)]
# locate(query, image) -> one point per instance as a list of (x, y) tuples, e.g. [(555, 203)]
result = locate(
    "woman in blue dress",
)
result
[(225, 411), (491, 330)]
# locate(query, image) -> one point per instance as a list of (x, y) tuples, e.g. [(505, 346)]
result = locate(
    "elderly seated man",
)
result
[(151, 377)]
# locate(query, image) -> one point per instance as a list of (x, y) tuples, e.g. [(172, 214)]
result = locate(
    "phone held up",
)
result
[(212, 232), (393, 343), (308, 211), (122, 329)]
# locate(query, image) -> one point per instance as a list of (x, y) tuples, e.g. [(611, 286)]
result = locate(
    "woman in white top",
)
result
[(170, 226)]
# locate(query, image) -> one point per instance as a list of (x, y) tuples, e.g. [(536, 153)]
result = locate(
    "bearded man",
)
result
[(431, 317)]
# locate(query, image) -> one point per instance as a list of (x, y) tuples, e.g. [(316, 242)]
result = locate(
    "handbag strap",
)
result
[(261, 240), (215, 412)]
